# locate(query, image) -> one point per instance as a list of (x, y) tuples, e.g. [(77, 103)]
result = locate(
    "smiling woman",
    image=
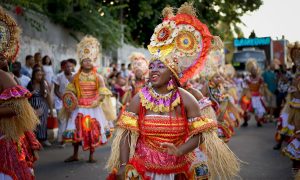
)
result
[(164, 124)]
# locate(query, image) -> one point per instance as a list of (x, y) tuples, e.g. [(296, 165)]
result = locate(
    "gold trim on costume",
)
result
[(200, 124), (129, 121)]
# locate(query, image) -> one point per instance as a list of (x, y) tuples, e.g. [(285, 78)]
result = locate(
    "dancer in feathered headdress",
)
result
[(163, 124), (87, 124), (255, 86)]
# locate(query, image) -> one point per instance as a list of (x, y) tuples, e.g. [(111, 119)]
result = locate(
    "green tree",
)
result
[(86, 16), (141, 16), (103, 18), (252, 35)]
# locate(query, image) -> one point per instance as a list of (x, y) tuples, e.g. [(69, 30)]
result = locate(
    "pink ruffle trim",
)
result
[(15, 92)]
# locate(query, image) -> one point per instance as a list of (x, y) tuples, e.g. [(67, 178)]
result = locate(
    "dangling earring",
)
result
[(170, 85), (149, 84)]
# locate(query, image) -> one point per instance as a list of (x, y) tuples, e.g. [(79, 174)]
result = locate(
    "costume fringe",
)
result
[(236, 111), (114, 159), (209, 113), (223, 106), (187, 8), (222, 162), (25, 120)]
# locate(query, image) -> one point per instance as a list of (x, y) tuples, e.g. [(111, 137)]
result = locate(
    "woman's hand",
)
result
[(39, 111), (51, 112), (171, 149), (121, 173)]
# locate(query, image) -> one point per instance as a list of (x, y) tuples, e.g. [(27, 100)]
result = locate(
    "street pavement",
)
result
[(252, 145)]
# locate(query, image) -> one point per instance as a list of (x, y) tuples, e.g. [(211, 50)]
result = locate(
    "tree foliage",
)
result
[(103, 18), (86, 16), (141, 16)]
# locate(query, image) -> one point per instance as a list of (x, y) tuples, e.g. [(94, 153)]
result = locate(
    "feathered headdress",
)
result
[(182, 42), (251, 64), (88, 48), (9, 36), (139, 62)]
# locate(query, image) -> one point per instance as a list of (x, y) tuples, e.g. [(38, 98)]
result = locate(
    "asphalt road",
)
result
[(252, 145)]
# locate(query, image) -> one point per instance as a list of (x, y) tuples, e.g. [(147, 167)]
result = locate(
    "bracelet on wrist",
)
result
[(123, 164)]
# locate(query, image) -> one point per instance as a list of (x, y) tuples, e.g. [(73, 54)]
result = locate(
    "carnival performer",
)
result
[(137, 80), (232, 93), (253, 103), (293, 149), (87, 124), (162, 126), (18, 144), (285, 131), (140, 70), (206, 110), (221, 104)]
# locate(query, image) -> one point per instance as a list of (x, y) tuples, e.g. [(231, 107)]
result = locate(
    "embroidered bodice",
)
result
[(89, 94)]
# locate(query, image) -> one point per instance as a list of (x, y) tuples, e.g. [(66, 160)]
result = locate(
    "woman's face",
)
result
[(159, 74), (253, 71), (87, 64), (39, 76), (48, 60)]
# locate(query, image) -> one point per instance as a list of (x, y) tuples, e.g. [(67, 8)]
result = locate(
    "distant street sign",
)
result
[(252, 42)]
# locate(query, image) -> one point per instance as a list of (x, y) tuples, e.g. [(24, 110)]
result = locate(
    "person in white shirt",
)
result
[(16, 70), (60, 83), (27, 69), (48, 70)]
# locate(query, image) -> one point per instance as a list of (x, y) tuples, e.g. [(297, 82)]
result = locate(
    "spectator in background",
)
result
[(119, 85), (114, 70), (41, 102), (48, 70), (124, 71), (74, 63), (16, 69), (60, 83), (270, 79), (130, 73), (27, 69), (38, 59), (282, 89)]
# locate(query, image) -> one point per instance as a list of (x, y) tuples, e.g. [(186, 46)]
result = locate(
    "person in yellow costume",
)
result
[(86, 124)]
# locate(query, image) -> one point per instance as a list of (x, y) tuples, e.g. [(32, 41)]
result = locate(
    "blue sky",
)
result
[(274, 18)]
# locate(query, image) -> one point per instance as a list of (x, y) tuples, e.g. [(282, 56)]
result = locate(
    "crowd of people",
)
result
[(171, 120)]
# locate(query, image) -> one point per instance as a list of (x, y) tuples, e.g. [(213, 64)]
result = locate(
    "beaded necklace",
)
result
[(156, 102)]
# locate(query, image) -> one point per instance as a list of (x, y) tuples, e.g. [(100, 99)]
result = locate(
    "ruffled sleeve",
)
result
[(128, 120), (14, 93), (71, 88), (104, 91), (201, 124)]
